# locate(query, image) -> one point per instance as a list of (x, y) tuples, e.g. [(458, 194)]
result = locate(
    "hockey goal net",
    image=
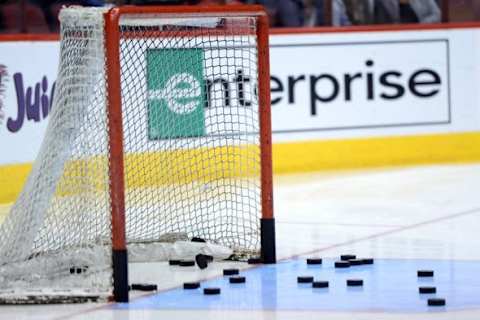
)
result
[(159, 132)]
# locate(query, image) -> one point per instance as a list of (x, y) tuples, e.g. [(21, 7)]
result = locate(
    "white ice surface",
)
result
[(421, 212)]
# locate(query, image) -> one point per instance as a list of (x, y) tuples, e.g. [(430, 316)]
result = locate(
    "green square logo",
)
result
[(176, 93)]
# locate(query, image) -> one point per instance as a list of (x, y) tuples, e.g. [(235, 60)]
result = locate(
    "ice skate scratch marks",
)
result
[(390, 232)]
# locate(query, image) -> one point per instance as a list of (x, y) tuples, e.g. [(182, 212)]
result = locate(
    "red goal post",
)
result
[(113, 38)]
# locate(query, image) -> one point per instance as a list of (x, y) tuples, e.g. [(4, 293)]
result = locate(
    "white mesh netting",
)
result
[(191, 152)]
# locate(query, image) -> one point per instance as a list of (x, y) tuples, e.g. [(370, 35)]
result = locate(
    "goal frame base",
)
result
[(267, 238), (39, 298), (120, 272)]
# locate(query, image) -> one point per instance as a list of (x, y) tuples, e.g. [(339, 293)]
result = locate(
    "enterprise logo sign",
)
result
[(360, 85)]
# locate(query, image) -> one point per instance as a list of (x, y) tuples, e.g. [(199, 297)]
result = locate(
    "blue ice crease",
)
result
[(389, 285)]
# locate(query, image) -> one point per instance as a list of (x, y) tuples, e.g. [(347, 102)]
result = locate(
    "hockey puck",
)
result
[(367, 261), (320, 284), (314, 261), (342, 264), (174, 262), (230, 272), (202, 260), (436, 302), (346, 257), (305, 279), (144, 287), (78, 270), (191, 285), (427, 290), (186, 263), (354, 282), (237, 279), (197, 239), (425, 273), (254, 261), (211, 291), (356, 262)]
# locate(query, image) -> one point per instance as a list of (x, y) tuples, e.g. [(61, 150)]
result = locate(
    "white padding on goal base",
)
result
[(159, 20), (148, 252)]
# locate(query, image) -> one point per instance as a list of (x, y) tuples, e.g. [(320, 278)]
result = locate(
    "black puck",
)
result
[(305, 279), (237, 279), (320, 284), (356, 262), (346, 257), (436, 302), (144, 287), (197, 239), (186, 263), (202, 260), (211, 291), (427, 290), (78, 270), (314, 261), (191, 285), (425, 273), (254, 261), (230, 272), (354, 282), (342, 264), (174, 262), (367, 261)]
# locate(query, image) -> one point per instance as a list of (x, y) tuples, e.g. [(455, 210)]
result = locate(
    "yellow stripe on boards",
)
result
[(208, 164), (147, 169), (12, 179), (376, 152)]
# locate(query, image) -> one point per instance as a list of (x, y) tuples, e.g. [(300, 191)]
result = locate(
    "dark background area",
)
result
[(41, 16)]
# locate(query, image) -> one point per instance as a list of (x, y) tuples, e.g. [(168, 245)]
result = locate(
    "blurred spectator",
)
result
[(360, 11), (476, 9), (464, 10), (156, 2), (407, 11), (41, 15), (93, 3), (180, 2), (285, 13), (87, 3), (50, 9), (316, 13), (339, 13), (45, 6), (298, 13)]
